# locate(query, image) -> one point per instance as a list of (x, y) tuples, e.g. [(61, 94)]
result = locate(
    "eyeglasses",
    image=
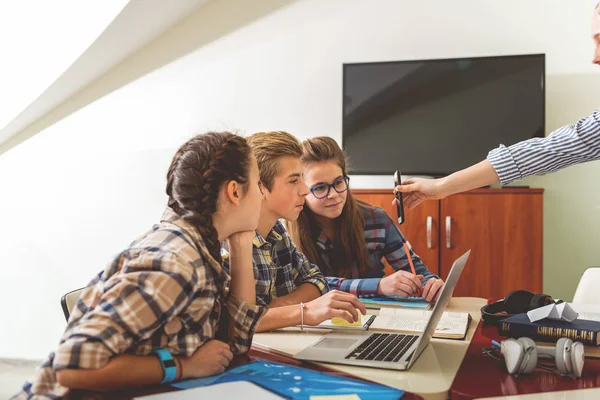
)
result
[(322, 190)]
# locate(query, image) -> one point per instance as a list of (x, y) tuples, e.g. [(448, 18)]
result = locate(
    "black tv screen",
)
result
[(435, 117)]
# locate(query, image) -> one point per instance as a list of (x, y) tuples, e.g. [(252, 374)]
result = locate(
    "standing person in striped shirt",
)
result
[(348, 239), (161, 311), (294, 289), (566, 146)]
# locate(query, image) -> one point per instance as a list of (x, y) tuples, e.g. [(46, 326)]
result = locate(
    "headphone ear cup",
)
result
[(563, 356), (518, 302), (512, 351), (540, 300), (530, 356), (577, 358)]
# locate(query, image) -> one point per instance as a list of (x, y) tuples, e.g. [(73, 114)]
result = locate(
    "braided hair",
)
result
[(198, 171)]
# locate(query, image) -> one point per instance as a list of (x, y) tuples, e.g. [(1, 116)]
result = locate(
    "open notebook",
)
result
[(452, 325)]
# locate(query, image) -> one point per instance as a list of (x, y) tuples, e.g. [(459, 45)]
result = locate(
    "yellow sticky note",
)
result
[(336, 397), (342, 322)]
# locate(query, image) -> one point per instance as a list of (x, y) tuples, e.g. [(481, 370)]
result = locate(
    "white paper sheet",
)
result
[(222, 391), (559, 312)]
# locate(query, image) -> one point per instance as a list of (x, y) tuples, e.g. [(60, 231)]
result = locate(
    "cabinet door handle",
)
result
[(448, 232), (429, 223)]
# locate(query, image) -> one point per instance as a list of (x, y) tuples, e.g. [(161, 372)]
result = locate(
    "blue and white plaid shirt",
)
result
[(279, 268), (384, 240)]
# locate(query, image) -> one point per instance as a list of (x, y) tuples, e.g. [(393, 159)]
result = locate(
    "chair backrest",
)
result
[(68, 301), (588, 288)]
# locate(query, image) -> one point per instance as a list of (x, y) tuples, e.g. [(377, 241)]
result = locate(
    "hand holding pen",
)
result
[(432, 288), (407, 284), (400, 283)]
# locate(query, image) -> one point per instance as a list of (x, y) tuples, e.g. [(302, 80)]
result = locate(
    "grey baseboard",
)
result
[(20, 362)]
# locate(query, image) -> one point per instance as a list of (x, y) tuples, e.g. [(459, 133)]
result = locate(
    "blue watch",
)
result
[(168, 365)]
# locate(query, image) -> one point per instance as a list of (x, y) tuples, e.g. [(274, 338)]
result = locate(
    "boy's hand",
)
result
[(209, 359), (333, 304)]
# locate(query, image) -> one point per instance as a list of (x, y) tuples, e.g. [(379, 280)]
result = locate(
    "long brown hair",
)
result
[(350, 245), (198, 171)]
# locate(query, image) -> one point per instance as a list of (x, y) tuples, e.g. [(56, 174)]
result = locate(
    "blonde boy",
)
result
[(285, 279)]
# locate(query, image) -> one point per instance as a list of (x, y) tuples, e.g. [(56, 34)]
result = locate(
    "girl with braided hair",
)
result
[(165, 309)]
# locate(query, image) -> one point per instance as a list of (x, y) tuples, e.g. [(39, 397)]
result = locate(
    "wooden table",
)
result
[(481, 376), (430, 376)]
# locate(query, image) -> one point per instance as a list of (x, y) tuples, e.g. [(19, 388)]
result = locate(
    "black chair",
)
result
[(68, 301)]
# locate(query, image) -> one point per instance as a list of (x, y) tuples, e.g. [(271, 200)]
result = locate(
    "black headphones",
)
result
[(517, 302)]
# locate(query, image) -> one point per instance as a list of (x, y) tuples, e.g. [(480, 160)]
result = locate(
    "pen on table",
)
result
[(495, 344)]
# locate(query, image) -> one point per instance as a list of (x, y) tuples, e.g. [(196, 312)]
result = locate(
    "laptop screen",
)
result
[(441, 304)]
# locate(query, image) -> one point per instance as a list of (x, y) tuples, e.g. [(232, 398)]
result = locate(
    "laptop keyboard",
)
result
[(386, 347)]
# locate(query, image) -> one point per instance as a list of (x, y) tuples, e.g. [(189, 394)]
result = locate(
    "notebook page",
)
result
[(424, 314), (401, 324)]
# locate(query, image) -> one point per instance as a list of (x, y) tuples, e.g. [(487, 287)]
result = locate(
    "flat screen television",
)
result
[(435, 117)]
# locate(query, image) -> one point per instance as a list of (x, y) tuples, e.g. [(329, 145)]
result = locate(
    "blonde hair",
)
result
[(350, 245), (268, 148)]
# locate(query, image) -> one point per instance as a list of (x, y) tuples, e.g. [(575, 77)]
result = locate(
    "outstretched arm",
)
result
[(566, 146), (417, 190)]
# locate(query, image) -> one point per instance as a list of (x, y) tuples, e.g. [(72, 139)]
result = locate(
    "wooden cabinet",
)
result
[(502, 227)]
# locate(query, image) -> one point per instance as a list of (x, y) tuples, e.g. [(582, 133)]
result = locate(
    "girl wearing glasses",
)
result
[(348, 238)]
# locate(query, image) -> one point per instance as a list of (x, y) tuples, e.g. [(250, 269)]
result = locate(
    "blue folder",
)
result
[(295, 382), (395, 301)]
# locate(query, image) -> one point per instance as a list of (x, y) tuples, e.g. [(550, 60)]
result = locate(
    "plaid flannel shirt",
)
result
[(279, 268), (164, 291), (384, 240)]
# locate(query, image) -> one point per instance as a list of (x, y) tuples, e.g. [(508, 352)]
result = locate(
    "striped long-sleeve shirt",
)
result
[(566, 146), (384, 240), (164, 291)]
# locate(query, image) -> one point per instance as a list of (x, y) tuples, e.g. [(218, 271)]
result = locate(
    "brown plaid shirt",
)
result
[(164, 291)]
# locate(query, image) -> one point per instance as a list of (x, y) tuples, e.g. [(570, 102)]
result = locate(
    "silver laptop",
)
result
[(383, 350)]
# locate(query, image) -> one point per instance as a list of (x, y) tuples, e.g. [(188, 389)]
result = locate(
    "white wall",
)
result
[(79, 191)]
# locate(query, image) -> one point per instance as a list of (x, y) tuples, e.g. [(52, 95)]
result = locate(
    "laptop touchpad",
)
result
[(336, 343)]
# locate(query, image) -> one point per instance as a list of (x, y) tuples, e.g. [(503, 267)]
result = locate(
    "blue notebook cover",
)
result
[(295, 382), (395, 301)]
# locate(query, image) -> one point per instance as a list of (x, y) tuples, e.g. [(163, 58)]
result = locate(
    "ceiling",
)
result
[(136, 25)]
